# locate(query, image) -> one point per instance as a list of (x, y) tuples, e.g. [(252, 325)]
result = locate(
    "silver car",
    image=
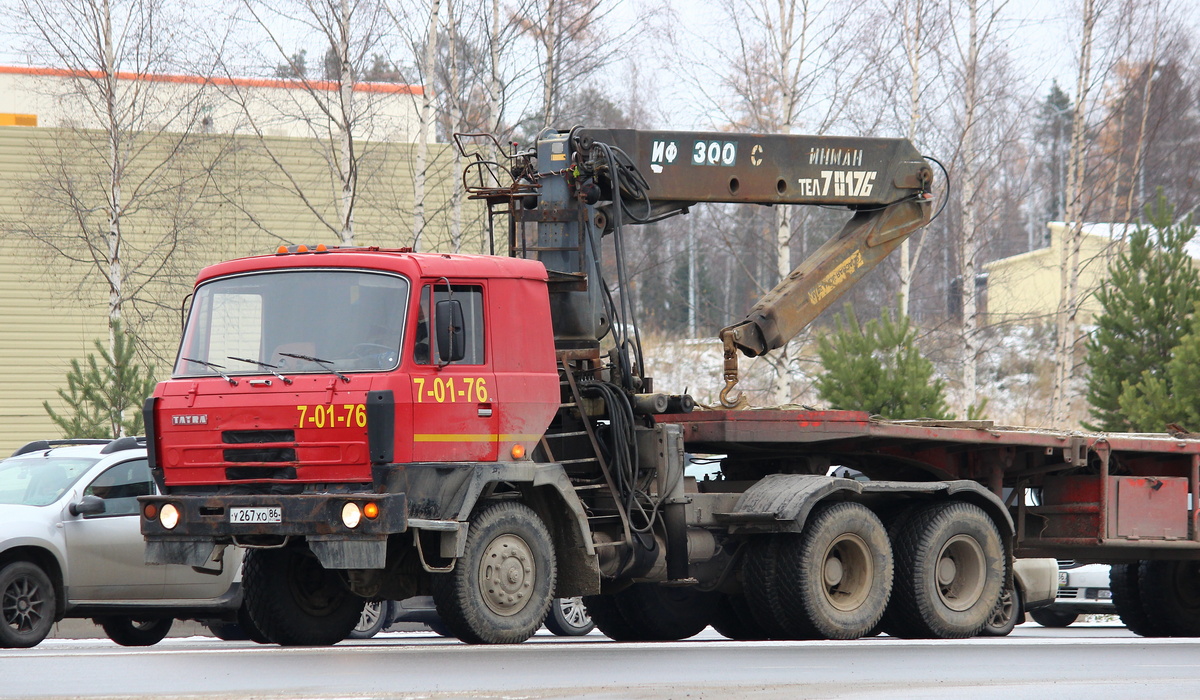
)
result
[(71, 546)]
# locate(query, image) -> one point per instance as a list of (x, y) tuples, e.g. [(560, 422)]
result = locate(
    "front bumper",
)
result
[(317, 517)]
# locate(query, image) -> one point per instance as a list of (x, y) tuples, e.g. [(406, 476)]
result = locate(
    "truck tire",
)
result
[(837, 576), (294, 601), (666, 613), (732, 618), (950, 566), (1004, 618), (1170, 594), (502, 587), (1127, 600), (132, 632), (1047, 617), (762, 581), (27, 605), (609, 619)]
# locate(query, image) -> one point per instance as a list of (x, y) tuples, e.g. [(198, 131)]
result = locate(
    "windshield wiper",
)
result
[(213, 367), (269, 367), (327, 364)]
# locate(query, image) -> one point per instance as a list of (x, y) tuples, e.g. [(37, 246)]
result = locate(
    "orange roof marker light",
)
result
[(321, 248), (301, 248), (281, 250)]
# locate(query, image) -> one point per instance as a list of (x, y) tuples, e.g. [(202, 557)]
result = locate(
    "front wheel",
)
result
[(1053, 618), (569, 618), (132, 632), (27, 602), (501, 588), (294, 601)]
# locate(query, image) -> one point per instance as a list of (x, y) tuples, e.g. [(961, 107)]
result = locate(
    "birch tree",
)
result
[(116, 189), (1067, 327)]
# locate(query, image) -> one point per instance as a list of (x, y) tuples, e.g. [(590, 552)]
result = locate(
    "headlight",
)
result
[(169, 516), (351, 515)]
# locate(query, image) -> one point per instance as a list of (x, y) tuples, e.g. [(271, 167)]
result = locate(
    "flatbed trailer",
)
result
[(1110, 497)]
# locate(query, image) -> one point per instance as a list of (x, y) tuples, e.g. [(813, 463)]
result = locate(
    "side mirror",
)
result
[(451, 331), (88, 505)]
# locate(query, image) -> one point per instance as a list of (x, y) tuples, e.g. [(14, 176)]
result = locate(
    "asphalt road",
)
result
[(1035, 662)]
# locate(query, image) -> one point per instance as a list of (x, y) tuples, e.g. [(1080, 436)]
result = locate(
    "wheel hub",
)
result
[(507, 575), (961, 572), (847, 572)]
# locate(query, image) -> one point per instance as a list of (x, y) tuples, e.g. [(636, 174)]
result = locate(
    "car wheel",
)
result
[(131, 632), (374, 618), (569, 618), (1053, 618), (1004, 618), (27, 604)]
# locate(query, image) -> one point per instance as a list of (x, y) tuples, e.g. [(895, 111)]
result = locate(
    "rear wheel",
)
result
[(732, 618), (27, 603), (609, 619), (1127, 599), (133, 632), (294, 601), (373, 618), (949, 572), (501, 589), (837, 577), (763, 583), (666, 613), (569, 618), (1004, 618), (1053, 618), (1170, 593)]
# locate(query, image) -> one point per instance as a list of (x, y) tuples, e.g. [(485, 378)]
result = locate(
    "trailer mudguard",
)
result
[(783, 502)]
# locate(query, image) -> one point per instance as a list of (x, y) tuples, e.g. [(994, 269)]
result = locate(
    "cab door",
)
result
[(106, 555), (454, 403)]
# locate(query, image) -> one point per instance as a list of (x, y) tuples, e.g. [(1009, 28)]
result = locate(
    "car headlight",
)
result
[(169, 516), (351, 515)]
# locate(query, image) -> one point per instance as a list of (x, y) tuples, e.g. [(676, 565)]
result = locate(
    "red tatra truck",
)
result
[(379, 424)]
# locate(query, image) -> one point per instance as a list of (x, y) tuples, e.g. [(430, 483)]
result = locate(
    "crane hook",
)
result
[(731, 374)]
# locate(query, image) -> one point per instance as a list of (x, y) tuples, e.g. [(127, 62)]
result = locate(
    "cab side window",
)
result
[(471, 298), (120, 485)]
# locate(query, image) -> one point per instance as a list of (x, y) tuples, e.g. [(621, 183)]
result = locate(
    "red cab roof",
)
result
[(414, 265)]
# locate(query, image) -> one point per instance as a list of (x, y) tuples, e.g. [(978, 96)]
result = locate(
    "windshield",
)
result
[(39, 481), (295, 321)]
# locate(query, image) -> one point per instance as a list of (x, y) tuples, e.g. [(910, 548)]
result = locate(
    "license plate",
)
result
[(1062, 578), (255, 515)]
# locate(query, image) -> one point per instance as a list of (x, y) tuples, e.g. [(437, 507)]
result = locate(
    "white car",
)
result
[(1083, 589), (71, 546)]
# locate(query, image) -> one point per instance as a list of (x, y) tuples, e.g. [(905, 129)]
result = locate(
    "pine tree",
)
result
[(877, 368), (1146, 302), (1153, 402), (100, 396)]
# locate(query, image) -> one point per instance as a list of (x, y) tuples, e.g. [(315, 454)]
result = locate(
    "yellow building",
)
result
[(1026, 288), (54, 299)]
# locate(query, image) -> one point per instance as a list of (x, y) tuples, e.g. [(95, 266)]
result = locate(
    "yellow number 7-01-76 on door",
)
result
[(347, 415), (450, 389)]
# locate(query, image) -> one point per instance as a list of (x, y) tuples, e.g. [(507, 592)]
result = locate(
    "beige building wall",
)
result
[(1026, 288), (383, 111), (53, 308)]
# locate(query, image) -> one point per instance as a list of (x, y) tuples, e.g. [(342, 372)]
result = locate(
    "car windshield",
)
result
[(39, 481), (295, 321)]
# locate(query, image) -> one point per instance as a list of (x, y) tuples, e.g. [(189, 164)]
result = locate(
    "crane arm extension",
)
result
[(866, 239)]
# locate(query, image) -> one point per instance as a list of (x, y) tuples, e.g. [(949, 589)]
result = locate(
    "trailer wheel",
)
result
[(1170, 593), (294, 601), (763, 583), (1127, 600), (949, 572), (732, 618), (838, 574), (501, 589)]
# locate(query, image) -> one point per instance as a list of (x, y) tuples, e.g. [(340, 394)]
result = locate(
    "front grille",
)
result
[(247, 473), (244, 437), (261, 454)]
